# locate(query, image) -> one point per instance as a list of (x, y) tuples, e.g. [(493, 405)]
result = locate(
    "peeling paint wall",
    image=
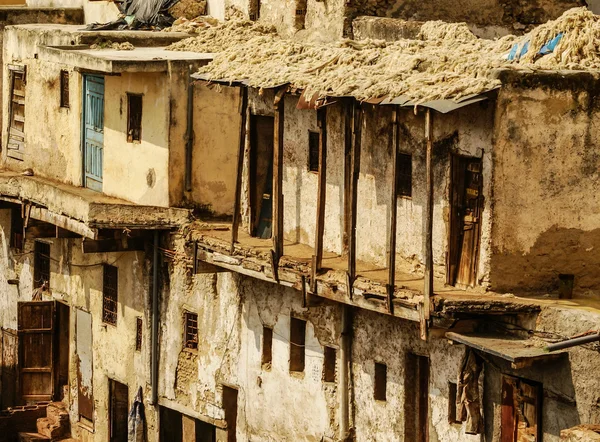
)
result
[(546, 186), (77, 280)]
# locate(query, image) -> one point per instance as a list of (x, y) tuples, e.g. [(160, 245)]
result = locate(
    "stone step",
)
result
[(57, 413), (52, 430), (32, 437)]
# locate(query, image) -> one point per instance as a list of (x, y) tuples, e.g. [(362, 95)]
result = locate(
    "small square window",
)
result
[(380, 381), (267, 350), (404, 175), (191, 330), (41, 265), (64, 88), (110, 294), (313, 151), (329, 364), (297, 344), (138, 334), (134, 118)]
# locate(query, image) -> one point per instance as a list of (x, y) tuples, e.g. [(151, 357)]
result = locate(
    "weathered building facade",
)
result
[(269, 267)]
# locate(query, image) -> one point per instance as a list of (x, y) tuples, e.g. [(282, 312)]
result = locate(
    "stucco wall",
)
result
[(216, 146), (137, 171), (77, 279), (546, 185)]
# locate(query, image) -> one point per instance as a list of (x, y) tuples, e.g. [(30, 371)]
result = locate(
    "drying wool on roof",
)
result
[(446, 62), (124, 46)]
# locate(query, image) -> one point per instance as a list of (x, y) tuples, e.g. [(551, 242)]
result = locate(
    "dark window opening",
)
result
[(110, 294), (267, 351), (404, 175), (297, 344), (416, 398), (452, 417), (261, 175), (313, 151), (16, 121), (16, 228), (41, 270), (134, 118), (138, 334), (380, 382), (254, 12), (191, 330), (300, 18), (329, 364), (64, 88)]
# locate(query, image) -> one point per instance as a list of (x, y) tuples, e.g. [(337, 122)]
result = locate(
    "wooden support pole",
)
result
[(355, 159), (428, 228), (391, 285), (240, 166), (348, 131), (317, 260), (278, 176)]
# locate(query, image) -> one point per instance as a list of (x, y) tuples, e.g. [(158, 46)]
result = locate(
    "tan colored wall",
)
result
[(546, 186), (216, 145), (137, 171)]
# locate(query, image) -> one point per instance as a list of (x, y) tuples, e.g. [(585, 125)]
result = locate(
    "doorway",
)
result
[(416, 398), (466, 204), (521, 413), (261, 175), (63, 314), (230, 397), (93, 131), (118, 411)]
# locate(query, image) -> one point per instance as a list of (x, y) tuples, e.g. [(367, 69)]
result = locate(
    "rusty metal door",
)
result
[(36, 350), (85, 395), (465, 220)]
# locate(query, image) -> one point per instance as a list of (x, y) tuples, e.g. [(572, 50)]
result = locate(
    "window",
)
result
[(16, 130), (267, 350), (452, 417), (416, 398), (404, 175), (16, 228), (254, 12), (313, 151), (110, 294), (380, 381), (64, 88), (138, 334), (41, 264), (134, 118), (297, 342), (329, 365), (191, 330)]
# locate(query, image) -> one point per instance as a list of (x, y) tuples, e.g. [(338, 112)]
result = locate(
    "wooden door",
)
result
[(261, 174), (230, 397), (16, 120), (93, 131), (118, 411), (36, 350), (521, 410), (465, 220)]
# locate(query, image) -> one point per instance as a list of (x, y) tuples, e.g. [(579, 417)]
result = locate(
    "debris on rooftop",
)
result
[(446, 61), (107, 44), (140, 14)]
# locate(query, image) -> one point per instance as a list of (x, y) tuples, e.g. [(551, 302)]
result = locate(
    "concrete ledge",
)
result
[(16, 15), (83, 209)]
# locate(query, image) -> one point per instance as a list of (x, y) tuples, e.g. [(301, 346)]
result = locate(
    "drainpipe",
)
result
[(154, 343), (574, 342), (345, 356), (189, 134)]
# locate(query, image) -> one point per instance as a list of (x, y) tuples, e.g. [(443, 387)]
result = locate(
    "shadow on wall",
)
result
[(556, 251)]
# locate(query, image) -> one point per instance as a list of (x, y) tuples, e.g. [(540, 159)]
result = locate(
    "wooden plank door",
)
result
[(16, 120), (465, 220), (119, 411), (10, 357), (521, 410), (36, 350), (93, 131)]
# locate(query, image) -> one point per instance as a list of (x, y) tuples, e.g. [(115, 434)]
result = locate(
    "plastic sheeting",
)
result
[(140, 14), (137, 420)]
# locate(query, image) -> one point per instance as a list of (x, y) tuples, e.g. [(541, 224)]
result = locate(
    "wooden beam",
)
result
[(114, 245), (317, 260), (355, 159), (62, 233), (428, 228), (240, 166), (63, 222), (278, 175), (391, 285), (348, 131), (41, 230)]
